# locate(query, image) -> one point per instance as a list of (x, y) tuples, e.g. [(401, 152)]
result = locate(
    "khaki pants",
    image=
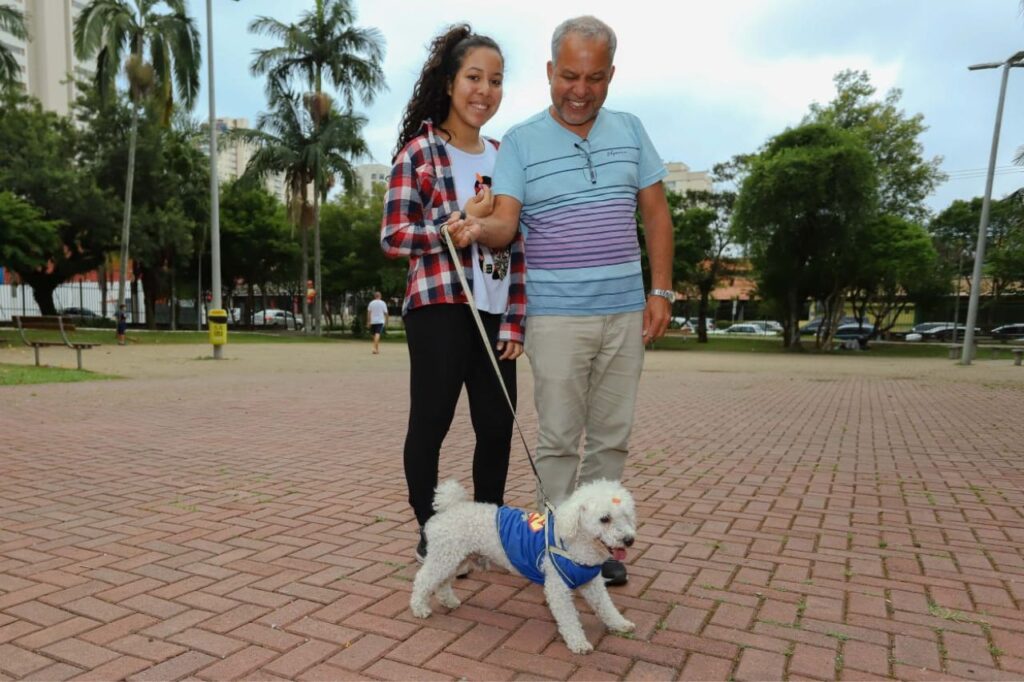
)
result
[(585, 376)]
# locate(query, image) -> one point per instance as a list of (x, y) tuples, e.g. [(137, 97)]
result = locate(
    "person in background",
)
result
[(376, 319), (122, 325)]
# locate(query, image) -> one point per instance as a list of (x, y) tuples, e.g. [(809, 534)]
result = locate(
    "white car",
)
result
[(748, 328), (275, 317)]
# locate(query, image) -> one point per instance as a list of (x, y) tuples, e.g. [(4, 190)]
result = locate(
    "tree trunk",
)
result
[(135, 297), (318, 301), (101, 280), (126, 224), (305, 272), (174, 298), (702, 315), (792, 321), (42, 293)]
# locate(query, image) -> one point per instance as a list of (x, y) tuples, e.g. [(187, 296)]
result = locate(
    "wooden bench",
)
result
[(49, 323)]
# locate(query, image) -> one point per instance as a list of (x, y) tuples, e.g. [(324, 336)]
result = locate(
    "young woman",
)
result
[(441, 170)]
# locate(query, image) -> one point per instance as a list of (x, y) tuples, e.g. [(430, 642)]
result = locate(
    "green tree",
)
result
[(287, 140), (353, 260), (898, 265), (905, 177), (256, 223), (39, 165), (956, 228), (798, 211), (324, 43), (26, 238), (12, 21), (106, 30)]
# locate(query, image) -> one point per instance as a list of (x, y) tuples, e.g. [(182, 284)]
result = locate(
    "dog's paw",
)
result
[(449, 601), (623, 626), (420, 610), (579, 645)]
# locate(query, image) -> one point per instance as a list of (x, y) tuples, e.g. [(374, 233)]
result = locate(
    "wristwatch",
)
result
[(666, 294)]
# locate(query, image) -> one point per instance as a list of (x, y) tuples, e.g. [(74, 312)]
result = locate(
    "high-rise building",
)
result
[(681, 179), (47, 58), (234, 157), (370, 174)]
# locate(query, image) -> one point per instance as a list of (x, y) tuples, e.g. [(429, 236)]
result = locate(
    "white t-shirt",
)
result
[(378, 311), (490, 268)]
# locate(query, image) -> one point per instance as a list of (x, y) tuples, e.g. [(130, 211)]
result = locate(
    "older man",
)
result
[(572, 177)]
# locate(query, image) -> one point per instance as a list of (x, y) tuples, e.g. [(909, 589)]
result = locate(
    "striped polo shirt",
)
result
[(579, 199)]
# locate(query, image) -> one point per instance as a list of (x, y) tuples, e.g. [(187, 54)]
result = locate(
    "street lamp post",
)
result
[(979, 252), (218, 350)]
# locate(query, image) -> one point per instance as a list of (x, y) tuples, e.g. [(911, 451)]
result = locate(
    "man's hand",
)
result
[(656, 317), (510, 350), (481, 205)]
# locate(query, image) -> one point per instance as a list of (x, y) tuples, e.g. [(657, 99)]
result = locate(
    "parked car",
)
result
[(768, 325), (748, 328), (274, 317), (82, 316), (812, 327), (1008, 332), (944, 332), (689, 324), (928, 326), (858, 331)]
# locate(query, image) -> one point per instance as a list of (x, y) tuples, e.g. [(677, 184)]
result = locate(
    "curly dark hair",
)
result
[(430, 98)]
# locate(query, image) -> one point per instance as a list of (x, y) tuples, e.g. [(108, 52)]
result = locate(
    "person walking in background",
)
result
[(122, 325), (376, 319), (441, 171), (571, 179)]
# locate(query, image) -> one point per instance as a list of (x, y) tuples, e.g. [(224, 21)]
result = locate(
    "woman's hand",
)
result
[(463, 231), (510, 350)]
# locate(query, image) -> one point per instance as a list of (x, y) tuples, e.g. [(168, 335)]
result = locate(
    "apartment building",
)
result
[(681, 179), (234, 157), (47, 58)]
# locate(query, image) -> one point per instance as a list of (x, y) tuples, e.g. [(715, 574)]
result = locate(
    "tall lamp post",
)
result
[(979, 252), (215, 287)]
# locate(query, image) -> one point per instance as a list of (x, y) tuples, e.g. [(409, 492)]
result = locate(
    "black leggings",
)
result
[(445, 352)]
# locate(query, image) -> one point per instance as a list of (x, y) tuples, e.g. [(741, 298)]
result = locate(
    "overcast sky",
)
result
[(708, 79)]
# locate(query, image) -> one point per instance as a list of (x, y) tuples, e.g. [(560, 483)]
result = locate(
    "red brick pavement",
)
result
[(822, 526)]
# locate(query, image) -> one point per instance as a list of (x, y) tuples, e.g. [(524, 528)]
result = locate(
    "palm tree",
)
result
[(13, 22), (107, 29), (307, 145), (323, 44)]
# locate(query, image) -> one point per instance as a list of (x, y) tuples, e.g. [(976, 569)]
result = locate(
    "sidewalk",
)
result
[(801, 518)]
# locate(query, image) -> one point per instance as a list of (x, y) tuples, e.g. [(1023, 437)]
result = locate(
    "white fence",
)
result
[(18, 300)]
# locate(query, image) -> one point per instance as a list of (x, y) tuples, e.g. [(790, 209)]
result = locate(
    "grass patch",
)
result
[(20, 375)]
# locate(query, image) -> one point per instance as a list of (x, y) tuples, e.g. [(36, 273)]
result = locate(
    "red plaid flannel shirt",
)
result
[(421, 196)]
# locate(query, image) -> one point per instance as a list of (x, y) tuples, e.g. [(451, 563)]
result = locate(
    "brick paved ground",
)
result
[(803, 519)]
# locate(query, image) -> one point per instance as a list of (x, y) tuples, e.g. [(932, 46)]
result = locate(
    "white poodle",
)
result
[(597, 522)]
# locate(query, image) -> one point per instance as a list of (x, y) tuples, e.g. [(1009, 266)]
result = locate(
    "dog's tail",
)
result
[(449, 494)]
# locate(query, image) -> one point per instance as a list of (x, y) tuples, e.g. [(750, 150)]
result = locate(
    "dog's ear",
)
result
[(567, 519)]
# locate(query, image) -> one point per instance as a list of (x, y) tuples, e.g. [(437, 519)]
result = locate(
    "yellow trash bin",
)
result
[(218, 323)]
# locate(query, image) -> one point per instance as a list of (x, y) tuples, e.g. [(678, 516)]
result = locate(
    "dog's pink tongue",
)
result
[(619, 554)]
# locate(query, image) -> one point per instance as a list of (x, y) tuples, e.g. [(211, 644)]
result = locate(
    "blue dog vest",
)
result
[(526, 539)]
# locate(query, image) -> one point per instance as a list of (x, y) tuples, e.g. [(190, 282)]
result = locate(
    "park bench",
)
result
[(49, 323)]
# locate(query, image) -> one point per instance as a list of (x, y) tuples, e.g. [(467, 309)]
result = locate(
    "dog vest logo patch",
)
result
[(536, 521)]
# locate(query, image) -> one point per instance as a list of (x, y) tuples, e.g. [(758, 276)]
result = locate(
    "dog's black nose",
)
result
[(628, 541)]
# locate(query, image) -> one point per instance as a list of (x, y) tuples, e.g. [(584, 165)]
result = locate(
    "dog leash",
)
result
[(471, 302)]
